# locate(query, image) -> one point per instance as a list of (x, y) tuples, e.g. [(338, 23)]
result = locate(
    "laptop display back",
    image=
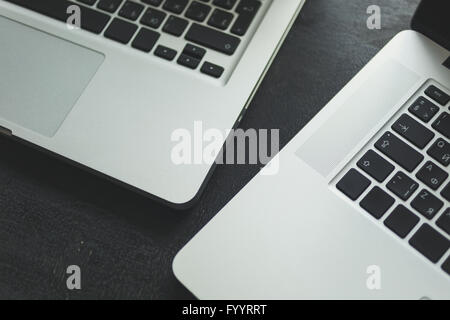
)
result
[(432, 20)]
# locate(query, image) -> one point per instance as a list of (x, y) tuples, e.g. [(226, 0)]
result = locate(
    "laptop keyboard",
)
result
[(403, 177), (215, 25)]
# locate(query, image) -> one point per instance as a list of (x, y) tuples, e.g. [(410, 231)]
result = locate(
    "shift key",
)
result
[(399, 151), (213, 39)]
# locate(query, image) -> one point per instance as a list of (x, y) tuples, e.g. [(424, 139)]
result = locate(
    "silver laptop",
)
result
[(360, 207), (105, 83)]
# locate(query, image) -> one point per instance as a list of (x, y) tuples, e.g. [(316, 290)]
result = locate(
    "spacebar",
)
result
[(91, 20), (212, 39)]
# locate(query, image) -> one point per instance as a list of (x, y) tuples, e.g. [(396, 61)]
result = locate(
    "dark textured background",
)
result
[(53, 215)]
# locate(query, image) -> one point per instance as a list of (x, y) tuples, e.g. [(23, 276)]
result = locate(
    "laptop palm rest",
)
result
[(342, 132), (42, 76)]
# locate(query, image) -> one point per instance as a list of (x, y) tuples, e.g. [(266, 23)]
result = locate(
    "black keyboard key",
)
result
[(121, 31), (175, 26), (145, 40), (248, 6), (131, 10), (353, 184), (198, 11), (400, 152), (446, 266), (213, 39), (155, 3), (424, 109), (165, 53), (109, 5), (402, 186), (446, 192), (430, 243), (226, 4), (437, 95), (247, 10), (427, 204), (377, 202), (88, 2), (194, 51), (432, 175), (401, 221), (440, 151), (375, 166), (153, 18), (220, 19), (444, 221), (442, 124), (92, 20), (175, 6), (413, 131), (188, 61), (212, 70)]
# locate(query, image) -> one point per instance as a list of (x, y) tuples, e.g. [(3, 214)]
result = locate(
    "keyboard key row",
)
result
[(377, 202), (402, 221)]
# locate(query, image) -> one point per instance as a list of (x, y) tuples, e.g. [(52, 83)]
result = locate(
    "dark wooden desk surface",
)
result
[(53, 215)]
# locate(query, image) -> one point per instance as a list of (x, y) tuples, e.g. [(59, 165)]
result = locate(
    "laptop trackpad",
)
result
[(340, 134), (41, 76)]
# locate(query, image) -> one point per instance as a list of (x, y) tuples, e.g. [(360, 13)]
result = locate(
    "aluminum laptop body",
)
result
[(108, 95), (347, 216)]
